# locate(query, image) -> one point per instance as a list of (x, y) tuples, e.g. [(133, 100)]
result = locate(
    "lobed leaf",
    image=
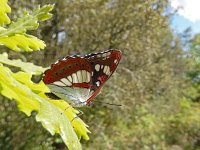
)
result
[(4, 9), (25, 42), (15, 37), (25, 66), (79, 126), (28, 22), (30, 97), (12, 89)]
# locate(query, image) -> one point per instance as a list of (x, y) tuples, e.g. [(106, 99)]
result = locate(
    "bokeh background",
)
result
[(157, 81)]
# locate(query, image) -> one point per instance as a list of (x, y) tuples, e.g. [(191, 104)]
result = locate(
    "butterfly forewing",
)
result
[(69, 71), (70, 79), (79, 79)]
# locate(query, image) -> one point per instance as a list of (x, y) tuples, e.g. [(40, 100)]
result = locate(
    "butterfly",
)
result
[(79, 79)]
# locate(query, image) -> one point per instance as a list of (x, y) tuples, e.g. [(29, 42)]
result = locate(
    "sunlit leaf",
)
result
[(79, 126), (28, 22), (4, 9), (25, 66), (15, 37), (18, 86), (24, 42), (14, 90)]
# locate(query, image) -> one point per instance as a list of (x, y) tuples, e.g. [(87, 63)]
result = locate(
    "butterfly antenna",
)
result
[(107, 103)]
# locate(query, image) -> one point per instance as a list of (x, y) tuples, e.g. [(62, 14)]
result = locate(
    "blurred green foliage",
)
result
[(156, 81)]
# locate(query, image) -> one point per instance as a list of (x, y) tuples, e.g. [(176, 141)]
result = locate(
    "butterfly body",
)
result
[(79, 79)]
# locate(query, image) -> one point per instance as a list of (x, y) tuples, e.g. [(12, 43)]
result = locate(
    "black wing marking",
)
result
[(52, 96)]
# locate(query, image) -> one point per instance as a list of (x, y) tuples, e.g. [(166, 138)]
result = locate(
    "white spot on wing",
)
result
[(84, 76), (64, 58), (104, 55), (88, 77), (59, 83), (98, 83), (65, 81), (97, 67), (74, 77), (69, 78), (56, 62), (102, 66), (79, 75), (105, 69), (108, 71), (115, 61), (108, 54)]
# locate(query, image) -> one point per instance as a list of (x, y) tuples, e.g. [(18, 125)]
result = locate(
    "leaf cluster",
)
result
[(18, 86)]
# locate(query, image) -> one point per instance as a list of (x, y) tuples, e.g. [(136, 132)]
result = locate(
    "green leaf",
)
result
[(12, 89), (26, 80), (51, 114), (79, 126), (15, 36), (28, 22), (25, 42), (25, 66), (4, 9)]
